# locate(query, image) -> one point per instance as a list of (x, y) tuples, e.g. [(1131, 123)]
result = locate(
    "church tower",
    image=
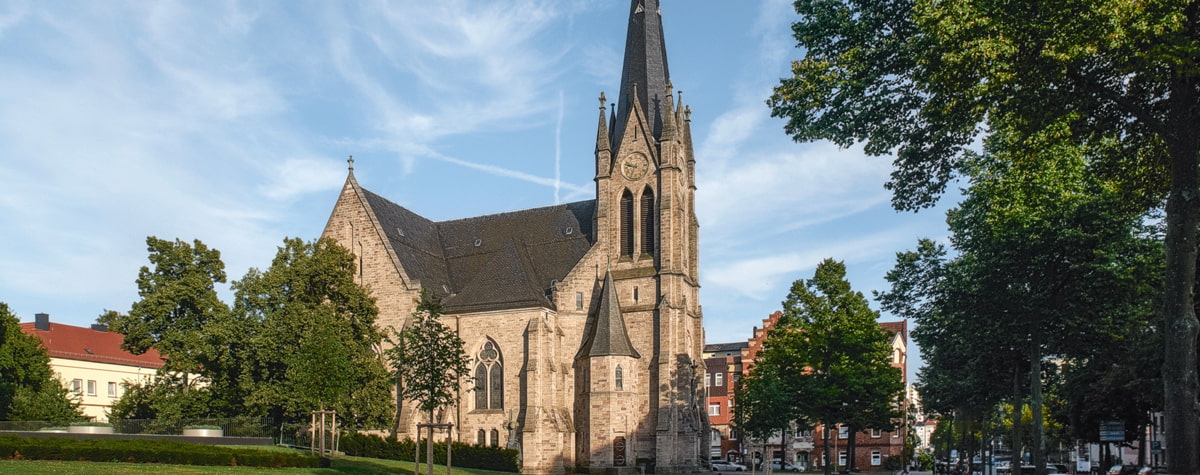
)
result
[(646, 229)]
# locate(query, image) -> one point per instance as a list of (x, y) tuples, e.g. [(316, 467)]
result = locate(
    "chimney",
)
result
[(41, 321), (100, 327)]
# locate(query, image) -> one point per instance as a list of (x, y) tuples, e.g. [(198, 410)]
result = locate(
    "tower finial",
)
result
[(351, 162), (602, 138)]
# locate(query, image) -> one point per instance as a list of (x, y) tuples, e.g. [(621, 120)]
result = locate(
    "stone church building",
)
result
[(582, 320)]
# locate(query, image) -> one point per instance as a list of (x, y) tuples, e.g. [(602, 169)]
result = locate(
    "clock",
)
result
[(635, 166)]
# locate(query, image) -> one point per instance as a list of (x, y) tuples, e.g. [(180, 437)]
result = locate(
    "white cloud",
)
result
[(294, 177), (12, 15)]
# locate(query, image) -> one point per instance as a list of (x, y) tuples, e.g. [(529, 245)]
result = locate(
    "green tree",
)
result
[(764, 403), (921, 78), (29, 389), (164, 401), (307, 338), (1051, 256), (832, 355), (178, 299), (429, 360)]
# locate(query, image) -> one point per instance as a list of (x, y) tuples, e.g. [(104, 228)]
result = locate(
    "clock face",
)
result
[(635, 166)]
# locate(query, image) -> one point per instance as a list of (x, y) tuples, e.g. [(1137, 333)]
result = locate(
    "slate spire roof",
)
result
[(646, 66), (607, 335)]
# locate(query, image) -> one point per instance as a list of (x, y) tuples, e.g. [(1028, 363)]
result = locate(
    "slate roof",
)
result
[(719, 347), (607, 335), (645, 65), (492, 262), (85, 344)]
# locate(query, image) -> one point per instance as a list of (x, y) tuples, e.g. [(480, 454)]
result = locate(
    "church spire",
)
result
[(645, 65)]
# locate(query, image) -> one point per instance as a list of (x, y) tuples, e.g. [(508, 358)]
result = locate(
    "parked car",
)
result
[(723, 466), (778, 466), (1123, 470)]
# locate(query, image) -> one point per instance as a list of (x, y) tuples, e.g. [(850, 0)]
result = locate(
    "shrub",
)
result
[(470, 456), (147, 451)]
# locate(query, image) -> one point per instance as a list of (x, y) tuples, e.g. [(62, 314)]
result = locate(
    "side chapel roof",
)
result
[(491, 262), (606, 335)]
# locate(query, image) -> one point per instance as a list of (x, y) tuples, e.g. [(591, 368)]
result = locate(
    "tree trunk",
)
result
[(1038, 449), (828, 462), (429, 446), (1179, 338), (1018, 411), (851, 446)]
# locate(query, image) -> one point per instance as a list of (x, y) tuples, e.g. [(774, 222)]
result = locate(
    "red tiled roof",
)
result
[(85, 344), (900, 327)]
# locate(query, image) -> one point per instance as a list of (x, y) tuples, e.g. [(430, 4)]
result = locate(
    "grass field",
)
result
[(344, 465)]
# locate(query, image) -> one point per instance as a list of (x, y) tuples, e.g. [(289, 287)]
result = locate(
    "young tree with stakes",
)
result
[(429, 361)]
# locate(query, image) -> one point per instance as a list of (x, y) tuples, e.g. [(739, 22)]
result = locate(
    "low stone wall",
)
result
[(178, 438)]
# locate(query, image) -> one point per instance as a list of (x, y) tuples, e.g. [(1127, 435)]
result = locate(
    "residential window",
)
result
[(842, 458), (875, 434), (876, 458), (843, 432), (77, 386), (707, 380), (732, 434), (714, 409), (112, 389), (715, 438), (489, 378), (91, 387), (719, 379), (578, 300)]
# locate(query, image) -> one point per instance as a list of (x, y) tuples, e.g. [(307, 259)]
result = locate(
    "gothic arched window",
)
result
[(647, 209), (482, 438), (495, 438), (627, 223), (489, 378), (620, 378)]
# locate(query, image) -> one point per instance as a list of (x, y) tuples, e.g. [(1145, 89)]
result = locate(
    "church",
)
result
[(582, 320)]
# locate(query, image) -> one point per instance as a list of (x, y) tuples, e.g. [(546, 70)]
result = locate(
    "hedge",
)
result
[(147, 451), (469, 456)]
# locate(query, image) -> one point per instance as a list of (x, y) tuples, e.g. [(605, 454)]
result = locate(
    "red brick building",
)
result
[(723, 362)]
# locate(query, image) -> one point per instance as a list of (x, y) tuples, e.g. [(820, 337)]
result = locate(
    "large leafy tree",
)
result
[(921, 78), (832, 356), (29, 389), (178, 299), (310, 338), (1051, 256)]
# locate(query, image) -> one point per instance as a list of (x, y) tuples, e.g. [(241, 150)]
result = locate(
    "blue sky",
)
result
[(230, 122)]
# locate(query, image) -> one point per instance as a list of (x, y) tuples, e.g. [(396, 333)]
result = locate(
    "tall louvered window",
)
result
[(647, 209), (627, 224), (489, 378)]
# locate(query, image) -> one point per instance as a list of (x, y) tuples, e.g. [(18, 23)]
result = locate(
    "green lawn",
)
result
[(345, 465)]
